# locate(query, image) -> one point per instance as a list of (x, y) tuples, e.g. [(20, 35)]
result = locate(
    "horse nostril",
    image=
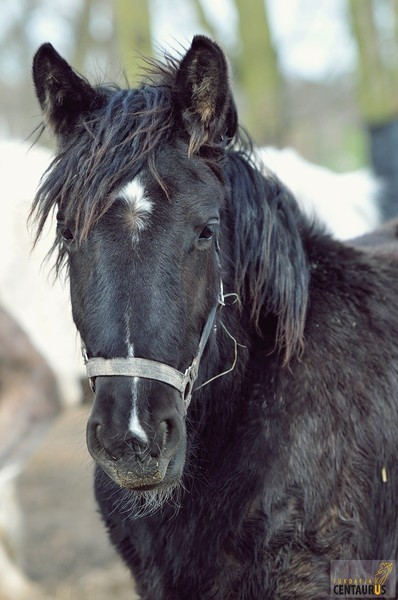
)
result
[(93, 437), (98, 444), (165, 428), (97, 434), (167, 438)]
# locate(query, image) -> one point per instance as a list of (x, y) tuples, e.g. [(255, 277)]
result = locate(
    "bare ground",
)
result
[(66, 549)]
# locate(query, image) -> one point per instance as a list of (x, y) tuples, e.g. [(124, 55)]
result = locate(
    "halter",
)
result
[(152, 369)]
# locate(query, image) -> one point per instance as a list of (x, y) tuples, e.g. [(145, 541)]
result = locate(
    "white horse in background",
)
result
[(345, 203), (28, 290), (37, 317)]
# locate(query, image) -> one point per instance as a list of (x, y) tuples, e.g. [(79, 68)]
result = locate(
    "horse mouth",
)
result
[(146, 488), (132, 476), (141, 483)]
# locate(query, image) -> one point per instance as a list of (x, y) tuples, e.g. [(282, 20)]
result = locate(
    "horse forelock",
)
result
[(109, 149)]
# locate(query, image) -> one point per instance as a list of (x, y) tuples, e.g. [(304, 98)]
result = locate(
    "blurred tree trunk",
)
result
[(258, 73), (82, 36), (133, 32), (378, 92), (377, 77)]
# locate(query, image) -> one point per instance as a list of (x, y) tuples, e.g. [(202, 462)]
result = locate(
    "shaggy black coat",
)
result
[(285, 466)]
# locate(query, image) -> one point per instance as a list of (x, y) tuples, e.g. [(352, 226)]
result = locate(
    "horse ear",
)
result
[(203, 96), (63, 95)]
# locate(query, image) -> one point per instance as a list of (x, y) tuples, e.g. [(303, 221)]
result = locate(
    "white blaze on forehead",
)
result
[(139, 205)]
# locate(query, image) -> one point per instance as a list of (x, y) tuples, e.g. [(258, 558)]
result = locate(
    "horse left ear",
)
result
[(203, 95), (63, 94)]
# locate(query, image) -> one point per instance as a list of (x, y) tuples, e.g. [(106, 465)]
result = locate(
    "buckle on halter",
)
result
[(190, 376)]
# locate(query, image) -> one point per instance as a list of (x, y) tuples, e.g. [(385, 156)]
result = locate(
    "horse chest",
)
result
[(195, 553)]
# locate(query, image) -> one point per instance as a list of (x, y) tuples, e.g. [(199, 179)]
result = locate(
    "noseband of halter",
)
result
[(152, 369)]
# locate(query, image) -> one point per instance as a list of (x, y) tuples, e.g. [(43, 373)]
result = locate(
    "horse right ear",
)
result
[(63, 95), (206, 108)]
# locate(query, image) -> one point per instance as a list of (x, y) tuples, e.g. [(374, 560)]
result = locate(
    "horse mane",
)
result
[(270, 263)]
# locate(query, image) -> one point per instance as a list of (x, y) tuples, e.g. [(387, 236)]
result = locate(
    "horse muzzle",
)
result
[(135, 470), (141, 455)]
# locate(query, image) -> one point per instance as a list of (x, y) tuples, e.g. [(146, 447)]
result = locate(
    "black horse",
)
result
[(194, 278)]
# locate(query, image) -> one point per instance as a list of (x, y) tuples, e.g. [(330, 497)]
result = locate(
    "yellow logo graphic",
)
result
[(363, 578), (384, 570)]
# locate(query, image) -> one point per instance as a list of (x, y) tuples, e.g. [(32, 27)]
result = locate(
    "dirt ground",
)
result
[(66, 548)]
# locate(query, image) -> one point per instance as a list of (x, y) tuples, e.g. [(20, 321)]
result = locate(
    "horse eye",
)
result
[(207, 233), (66, 234)]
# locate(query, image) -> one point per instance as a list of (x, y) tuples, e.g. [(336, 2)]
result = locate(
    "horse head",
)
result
[(138, 188)]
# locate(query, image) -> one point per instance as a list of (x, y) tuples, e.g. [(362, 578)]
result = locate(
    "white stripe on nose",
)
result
[(135, 426)]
